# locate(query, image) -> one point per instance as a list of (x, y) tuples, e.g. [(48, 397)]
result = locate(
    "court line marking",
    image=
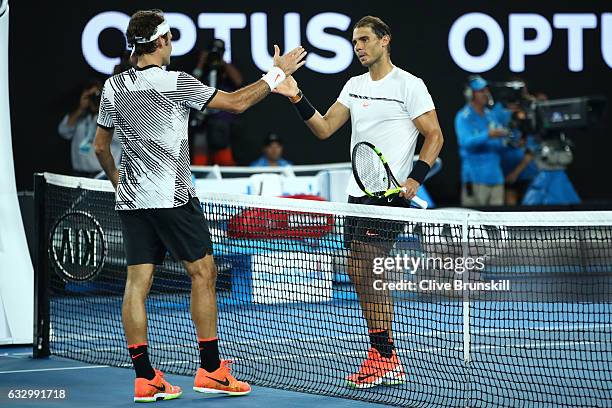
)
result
[(436, 350), (54, 369), (11, 356), (15, 354)]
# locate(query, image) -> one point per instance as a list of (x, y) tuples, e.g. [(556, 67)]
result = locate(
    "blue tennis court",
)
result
[(265, 197), (102, 386), (290, 318), (501, 351), (522, 344)]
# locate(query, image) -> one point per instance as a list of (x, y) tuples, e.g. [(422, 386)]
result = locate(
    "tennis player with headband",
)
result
[(148, 109), (388, 107)]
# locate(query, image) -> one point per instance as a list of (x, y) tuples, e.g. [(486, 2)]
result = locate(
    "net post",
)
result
[(41, 272), (466, 299)]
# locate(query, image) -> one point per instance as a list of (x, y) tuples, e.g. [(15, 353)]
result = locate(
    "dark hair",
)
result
[(379, 27), (73, 97), (90, 83), (272, 138), (143, 24)]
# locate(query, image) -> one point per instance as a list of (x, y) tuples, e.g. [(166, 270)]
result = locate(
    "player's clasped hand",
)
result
[(409, 189), (288, 87), (291, 61)]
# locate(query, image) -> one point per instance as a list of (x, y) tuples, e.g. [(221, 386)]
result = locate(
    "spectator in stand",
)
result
[(480, 138), (272, 153), (517, 158), (127, 61), (79, 126), (213, 131)]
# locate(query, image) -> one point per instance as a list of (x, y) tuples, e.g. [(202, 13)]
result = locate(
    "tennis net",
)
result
[(539, 334)]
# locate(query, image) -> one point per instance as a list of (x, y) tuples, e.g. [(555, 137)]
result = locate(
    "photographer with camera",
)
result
[(513, 102), (213, 131), (79, 126), (480, 138)]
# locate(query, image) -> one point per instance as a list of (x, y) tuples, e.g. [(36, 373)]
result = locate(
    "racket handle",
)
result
[(418, 201)]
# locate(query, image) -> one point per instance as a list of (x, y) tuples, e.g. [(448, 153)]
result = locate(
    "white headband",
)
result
[(161, 29)]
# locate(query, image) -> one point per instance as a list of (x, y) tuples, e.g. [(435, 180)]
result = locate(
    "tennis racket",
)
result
[(373, 174)]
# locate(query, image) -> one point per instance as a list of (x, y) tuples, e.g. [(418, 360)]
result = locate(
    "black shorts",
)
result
[(373, 230), (149, 233)]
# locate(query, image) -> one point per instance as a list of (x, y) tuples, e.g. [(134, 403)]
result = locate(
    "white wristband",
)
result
[(274, 77)]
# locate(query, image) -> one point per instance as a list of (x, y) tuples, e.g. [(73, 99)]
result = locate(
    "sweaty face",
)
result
[(367, 46)]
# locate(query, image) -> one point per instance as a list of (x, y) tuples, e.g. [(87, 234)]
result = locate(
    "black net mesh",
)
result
[(290, 318)]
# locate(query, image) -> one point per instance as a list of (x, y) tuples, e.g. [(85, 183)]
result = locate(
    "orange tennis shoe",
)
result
[(156, 389), (220, 381), (378, 370)]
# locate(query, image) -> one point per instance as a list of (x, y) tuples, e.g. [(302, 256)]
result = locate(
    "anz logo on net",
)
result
[(222, 25)]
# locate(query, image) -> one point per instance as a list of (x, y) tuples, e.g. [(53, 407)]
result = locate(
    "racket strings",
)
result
[(370, 169)]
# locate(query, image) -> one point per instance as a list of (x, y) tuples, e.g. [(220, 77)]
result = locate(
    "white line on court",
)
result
[(413, 351), (53, 369), (28, 353)]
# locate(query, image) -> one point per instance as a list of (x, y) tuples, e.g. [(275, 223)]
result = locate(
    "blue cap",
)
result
[(478, 83), (271, 138)]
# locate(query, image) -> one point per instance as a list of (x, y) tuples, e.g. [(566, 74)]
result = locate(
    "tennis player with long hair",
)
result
[(388, 107), (148, 108)]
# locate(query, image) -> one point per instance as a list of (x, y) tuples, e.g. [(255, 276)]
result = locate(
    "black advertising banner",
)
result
[(562, 50)]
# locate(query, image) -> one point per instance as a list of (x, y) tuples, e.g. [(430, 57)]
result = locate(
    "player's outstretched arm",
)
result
[(244, 98), (323, 126)]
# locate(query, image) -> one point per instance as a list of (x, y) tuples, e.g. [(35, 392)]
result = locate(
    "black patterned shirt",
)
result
[(149, 110)]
